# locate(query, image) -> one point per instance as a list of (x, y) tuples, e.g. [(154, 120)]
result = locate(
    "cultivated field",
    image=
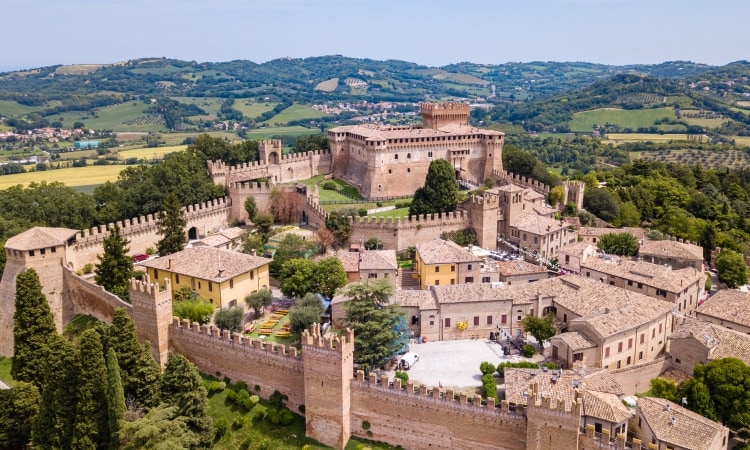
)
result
[(13, 108), (128, 116), (295, 112), (251, 109), (78, 69), (585, 121), (150, 153), (733, 159), (328, 85), (211, 105), (619, 138), (72, 176), (462, 78)]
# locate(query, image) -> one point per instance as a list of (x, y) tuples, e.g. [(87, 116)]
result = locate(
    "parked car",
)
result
[(408, 360), (138, 257)]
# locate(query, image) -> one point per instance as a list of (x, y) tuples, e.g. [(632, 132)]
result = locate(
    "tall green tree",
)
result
[(290, 247), (542, 328), (720, 390), (440, 191), (124, 341), (171, 226), (296, 278), (375, 321), (160, 428), (329, 275), (115, 267), (181, 386), (54, 426), (115, 399), (601, 203), (732, 269), (623, 244), (229, 319), (18, 409), (338, 224), (145, 390), (305, 312), (708, 240), (33, 327), (259, 300), (251, 207), (91, 429)]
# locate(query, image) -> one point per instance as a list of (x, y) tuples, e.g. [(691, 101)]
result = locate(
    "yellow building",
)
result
[(440, 263), (220, 276)]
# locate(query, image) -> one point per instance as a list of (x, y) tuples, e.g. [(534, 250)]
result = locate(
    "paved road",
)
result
[(454, 364)]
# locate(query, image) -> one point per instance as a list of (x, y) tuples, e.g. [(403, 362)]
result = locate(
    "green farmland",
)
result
[(70, 176), (585, 121), (251, 109), (128, 116), (295, 112)]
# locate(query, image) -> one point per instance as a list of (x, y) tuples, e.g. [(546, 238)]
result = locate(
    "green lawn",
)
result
[(295, 112), (398, 212), (5, 371), (211, 105), (251, 109), (128, 116), (13, 108), (266, 133), (72, 176), (585, 121)]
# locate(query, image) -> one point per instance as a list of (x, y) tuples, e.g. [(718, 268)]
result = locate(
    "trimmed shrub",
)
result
[(232, 396), (487, 368), (329, 186), (221, 428), (240, 386), (272, 414), (489, 386), (520, 365), (239, 422), (403, 376), (529, 350), (258, 416), (362, 212), (286, 417)]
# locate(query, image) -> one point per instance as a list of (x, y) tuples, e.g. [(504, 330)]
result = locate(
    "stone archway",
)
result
[(192, 234), (273, 158)]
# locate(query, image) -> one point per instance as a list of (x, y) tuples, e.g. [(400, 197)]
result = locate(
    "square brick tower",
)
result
[(329, 368), (152, 315)]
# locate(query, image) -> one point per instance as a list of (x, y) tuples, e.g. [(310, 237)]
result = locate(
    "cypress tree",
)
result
[(115, 399), (53, 428), (181, 386), (115, 267), (145, 388), (124, 340), (440, 191), (18, 408), (91, 429), (171, 226), (33, 326)]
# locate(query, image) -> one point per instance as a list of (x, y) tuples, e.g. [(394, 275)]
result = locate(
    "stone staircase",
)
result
[(405, 279)]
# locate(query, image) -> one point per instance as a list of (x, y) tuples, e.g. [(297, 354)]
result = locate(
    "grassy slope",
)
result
[(295, 112), (111, 117), (585, 121), (251, 109), (5, 371)]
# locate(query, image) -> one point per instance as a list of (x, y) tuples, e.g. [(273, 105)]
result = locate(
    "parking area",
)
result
[(455, 364)]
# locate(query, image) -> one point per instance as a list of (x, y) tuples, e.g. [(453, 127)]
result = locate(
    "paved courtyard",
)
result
[(455, 364)]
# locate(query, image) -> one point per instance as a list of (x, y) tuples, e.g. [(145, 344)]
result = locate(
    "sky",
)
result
[(38, 33)]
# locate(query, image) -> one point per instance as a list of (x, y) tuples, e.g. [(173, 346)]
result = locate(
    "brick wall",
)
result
[(637, 378), (85, 297)]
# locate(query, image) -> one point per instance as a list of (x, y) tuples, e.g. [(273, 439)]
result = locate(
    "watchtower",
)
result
[(573, 192), (550, 425), (485, 213), (270, 151), (328, 364), (152, 315), (436, 115)]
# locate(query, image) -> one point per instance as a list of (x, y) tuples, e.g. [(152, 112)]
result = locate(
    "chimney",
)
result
[(170, 265), (221, 273), (253, 252)]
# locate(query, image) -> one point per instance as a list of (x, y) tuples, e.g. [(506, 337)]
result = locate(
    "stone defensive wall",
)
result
[(401, 232), (290, 167), (142, 231), (427, 418), (637, 378), (504, 178), (265, 364), (84, 297)]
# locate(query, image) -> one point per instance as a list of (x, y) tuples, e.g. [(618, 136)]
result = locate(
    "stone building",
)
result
[(592, 235), (222, 277), (441, 262), (696, 341), (519, 272), (728, 308), (677, 254), (369, 264), (667, 425), (392, 161)]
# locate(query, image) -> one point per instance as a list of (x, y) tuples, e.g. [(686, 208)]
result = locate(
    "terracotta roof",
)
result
[(207, 263), (601, 380), (576, 249), (422, 299), (371, 132), (40, 237), (378, 260), (605, 406), (439, 251), (690, 430), (508, 188), (575, 340), (720, 342), (350, 260), (533, 222), (532, 195), (232, 232), (654, 275), (215, 240), (518, 268), (729, 305), (476, 292), (671, 249)]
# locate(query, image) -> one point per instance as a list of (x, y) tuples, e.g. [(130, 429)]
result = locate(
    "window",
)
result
[(252, 274), (389, 170), (660, 328), (536, 240), (504, 319), (640, 285), (177, 278), (372, 275), (231, 283), (661, 293), (469, 280), (42, 251), (630, 343), (210, 287), (619, 347), (437, 282), (156, 275), (476, 320), (643, 338), (619, 363), (653, 333), (640, 355), (31, 252), (437, 269), (606, 352), (489, 320), (485, 279), (468, 267), (628, 363), (54, 250), (532, 312), (429, 154), (447, 322), (408, 156), (453, 268), (578, 356), (408, 169), (567, 258), (565, 317), (453, 281), (395, 156), (630, 282)]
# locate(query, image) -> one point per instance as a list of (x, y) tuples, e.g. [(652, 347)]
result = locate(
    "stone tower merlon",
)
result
[(328, 364), (152, 315), (436, 115), (270, 151), (550, 424), (573, 192)]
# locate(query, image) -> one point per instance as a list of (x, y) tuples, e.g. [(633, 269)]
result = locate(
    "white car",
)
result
[(408, 360)]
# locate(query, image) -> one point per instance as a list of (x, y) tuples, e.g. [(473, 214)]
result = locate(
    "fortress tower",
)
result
[(550, 426), (328, 368), (573, 192), (270, 151), (152, 315), (436, 115), (485, 213)]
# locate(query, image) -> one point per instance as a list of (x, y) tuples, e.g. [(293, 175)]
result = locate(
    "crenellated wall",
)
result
[(504, 178), (239, 192), (268, 365), (431, 418), (85, 297), (637, 378), (287, 168)]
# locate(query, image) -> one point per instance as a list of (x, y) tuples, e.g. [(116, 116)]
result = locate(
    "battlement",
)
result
[(451, 106), (504, 177), (234, 341), (313, 338), (486, 201), (447, 398), (248, 188), (426, 220), (145, 286), (538, 404)]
